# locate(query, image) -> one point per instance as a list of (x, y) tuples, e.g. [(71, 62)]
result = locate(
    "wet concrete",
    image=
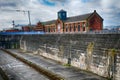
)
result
[(16, 70), (69, 73)]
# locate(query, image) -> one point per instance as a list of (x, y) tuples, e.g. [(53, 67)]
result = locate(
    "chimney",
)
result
[(94, 11)]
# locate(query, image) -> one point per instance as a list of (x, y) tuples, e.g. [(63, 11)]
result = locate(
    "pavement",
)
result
[(17, 70), (68, 73)]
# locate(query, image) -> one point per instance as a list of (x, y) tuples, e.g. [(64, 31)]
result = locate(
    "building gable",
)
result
[(95, 13), (95, 22)]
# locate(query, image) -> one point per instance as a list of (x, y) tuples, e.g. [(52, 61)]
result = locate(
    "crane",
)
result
[(28, 14), (21, 11)]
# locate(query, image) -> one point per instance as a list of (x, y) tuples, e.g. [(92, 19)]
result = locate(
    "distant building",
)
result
[(39, 27), (27, 28), (118, 28), (11, 30), (86, 22)]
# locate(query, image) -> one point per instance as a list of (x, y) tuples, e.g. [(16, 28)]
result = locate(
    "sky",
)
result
[(45, 10)]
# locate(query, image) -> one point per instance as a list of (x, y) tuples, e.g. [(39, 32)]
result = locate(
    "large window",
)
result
[(64, 14), (58, 27), (83, 28), (53, 29), (78, 27), (59, 15), (74, 28), (48, 29), (66, 28), (70, 28), (83, 25)]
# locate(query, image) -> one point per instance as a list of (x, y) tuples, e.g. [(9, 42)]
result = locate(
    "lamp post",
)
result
[(13, 23)]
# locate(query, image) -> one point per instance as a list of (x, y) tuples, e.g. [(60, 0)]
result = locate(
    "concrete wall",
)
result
[(98, 53)]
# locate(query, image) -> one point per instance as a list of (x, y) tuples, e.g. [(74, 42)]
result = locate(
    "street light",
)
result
[(28, 15)]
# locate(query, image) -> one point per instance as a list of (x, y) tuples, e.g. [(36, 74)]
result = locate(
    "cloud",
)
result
[(47, 2), (44, 10)]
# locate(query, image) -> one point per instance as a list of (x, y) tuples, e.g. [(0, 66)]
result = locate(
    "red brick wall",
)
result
[(26, 28), (95, 23), (14, 30), (39, 27)]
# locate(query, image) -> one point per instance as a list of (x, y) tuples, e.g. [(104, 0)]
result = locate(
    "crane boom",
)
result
[(20, 11)]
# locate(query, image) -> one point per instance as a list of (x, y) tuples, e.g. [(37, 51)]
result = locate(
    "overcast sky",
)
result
[(44, 10)]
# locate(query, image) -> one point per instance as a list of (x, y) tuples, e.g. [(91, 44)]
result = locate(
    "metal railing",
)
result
[(88, 32), (81, 32), (21, 33)]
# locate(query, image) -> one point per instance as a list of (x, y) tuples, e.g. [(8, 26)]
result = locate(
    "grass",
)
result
[(68, 65)]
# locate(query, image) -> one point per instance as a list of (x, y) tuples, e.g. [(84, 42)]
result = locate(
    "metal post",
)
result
[(69, 58), (29, 18), (13, 23)]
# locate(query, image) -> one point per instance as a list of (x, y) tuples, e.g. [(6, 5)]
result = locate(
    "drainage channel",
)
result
[(48, 74)]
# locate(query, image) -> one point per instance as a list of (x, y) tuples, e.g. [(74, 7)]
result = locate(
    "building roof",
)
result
[(49, 22), (61, 10), (71, 19), (78, 18)]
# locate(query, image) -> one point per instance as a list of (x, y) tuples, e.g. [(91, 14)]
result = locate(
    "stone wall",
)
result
[(92, 52), (9, 41)]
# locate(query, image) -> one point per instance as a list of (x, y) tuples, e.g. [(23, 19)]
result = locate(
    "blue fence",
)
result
[(21, 33), (40, 32)]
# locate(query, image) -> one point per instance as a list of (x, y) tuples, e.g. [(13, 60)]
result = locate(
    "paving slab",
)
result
[(69, 73), (16, 70)]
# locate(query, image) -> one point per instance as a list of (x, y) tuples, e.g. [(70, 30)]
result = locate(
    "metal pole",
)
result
[(13, 23), (29, 18)]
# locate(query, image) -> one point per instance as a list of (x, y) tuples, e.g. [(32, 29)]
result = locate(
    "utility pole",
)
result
[(13, 23), (29, 18)]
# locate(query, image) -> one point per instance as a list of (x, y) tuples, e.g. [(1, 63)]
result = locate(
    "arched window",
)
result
[(66, 28), (83, 28), (83, 25), (78, 27), (70, 28), (58, 27), (48, 29), (74, 28)]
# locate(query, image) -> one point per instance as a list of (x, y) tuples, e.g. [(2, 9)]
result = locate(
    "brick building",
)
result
[(39, 27), (86, 22)]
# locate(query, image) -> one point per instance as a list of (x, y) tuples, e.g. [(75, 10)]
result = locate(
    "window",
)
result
[(59, 15), (74, 28), (70, 28), (66, 28), (78, 27), (91, 29), (83, 28), (58, 27), (53, 29), (64, 15), (48, 29)]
